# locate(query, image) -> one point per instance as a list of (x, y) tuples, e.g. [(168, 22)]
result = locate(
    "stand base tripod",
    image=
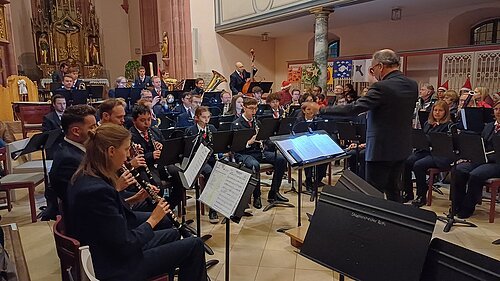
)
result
[(278, 204), (450, 221), (496, 242)]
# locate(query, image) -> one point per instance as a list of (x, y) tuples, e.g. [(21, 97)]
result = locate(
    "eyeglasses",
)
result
[(372, 68), (251, 107)]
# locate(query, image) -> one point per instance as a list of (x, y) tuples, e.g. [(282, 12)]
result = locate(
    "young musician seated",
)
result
[(226, 101), (254, 154), (205, 131), (257, 94), (186, 119), (421, 160), (305, 120), (149, 138), (67, 84), (236, 107), (468, 178), (186, 99), (98, 217), (273, 100), (142, 81)]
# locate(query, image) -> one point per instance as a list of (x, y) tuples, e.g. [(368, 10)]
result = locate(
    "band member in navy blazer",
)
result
[(468, 178), (52, 120), (255, 153), (76, 121), (157, 89), (142, 81), (97, 217), (239, 77), (390, 103)]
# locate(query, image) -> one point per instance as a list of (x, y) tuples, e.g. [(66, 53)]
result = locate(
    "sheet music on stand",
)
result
[(225, 188), (189, 175)]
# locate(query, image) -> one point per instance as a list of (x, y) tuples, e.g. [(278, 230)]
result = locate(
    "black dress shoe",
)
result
[(213, 217), (464, 214), (419, 202), (281, 198), (407, 197), (257, 204)]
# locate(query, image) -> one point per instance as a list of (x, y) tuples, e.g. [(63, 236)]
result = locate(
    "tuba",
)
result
[(215, 81)]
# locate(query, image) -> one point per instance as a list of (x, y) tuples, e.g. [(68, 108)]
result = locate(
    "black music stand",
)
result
[(222, 141), (474, 118), (265, 86), (301, 151), (448, 261), (443, 145), (285, 127), (351, 181), (135, 95), (240, 138), (419, 140), (367, 238), (264, 110), (79, 97), (95, 91), (189, 85), (227, 191), (211, 98)]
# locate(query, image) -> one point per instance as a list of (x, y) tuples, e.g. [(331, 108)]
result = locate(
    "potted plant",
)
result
[(131, 69)]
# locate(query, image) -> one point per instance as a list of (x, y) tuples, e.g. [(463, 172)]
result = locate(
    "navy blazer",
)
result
[(163, 92), (180, 109), (236, 83), (193, 130), (148, 146), (184, 120), (487, 134), (143, 84), (390, 104), (97, 216), (51, 122), (67, 158)]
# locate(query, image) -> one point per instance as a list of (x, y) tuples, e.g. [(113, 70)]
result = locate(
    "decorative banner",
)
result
[(295, 73), (342, 69), (329, 73), (360, 71)]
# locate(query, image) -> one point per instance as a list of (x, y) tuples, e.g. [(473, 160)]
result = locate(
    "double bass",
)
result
[(246, 88)]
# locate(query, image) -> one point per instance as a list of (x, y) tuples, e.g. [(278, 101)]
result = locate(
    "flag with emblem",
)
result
[(342, 69), (329, 76)]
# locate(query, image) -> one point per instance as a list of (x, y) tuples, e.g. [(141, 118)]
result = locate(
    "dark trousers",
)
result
[(165, 252), (177, 190), (320, 173), (355, 160), (420, 169), (468, 181), (386, 177), (253, 160), (408, 168)]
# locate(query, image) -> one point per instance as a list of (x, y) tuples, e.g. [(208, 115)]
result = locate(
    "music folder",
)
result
[(228, 190), (265, 86), (419, 140), (368, 238), (306, 148), (222, 141), (193, 169), (268, 127), (240, 138), (471, 147), (172, 152), (474, 118), (286, 125)]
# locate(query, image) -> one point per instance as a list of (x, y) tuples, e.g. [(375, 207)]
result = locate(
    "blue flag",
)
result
[(342, 69)]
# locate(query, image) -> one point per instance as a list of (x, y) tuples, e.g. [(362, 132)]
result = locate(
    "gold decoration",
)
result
[(3, 25)]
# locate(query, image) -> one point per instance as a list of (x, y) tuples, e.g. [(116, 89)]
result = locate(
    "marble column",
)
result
[(321, 43)]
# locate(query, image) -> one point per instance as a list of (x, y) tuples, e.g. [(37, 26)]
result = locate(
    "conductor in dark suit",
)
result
[(239, 77), (76, 122), (390, 103)]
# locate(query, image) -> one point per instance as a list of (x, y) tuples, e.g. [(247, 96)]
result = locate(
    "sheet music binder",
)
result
[(368, 238), (419, 140), (306, 148), (193, 170), (228, 190)]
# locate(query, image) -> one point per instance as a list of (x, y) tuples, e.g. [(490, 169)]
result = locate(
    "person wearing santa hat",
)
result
[(286, 96), (466, 88), (441, 90)]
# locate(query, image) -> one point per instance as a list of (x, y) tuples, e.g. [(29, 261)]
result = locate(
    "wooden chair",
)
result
[(433, 172), (493, 185), (31, 117), (16, 181), (68, 251)]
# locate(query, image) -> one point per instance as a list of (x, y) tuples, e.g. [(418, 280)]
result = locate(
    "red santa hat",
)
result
[(467, 86), (285, 85), (444, 87)]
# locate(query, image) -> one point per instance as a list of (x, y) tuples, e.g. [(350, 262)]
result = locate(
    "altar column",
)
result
[(321, 42)]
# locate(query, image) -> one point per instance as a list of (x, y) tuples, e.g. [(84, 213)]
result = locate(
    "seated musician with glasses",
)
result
[(468, 178), (149, 139), (98, 217), (186, 119), (204, 130), (257, 152)]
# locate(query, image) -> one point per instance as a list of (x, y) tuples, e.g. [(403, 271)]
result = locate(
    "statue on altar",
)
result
[(44, 47), (94, 51)]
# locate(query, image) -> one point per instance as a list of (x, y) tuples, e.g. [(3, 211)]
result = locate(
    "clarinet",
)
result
[(141, 183), (256, 126), (146, 168)]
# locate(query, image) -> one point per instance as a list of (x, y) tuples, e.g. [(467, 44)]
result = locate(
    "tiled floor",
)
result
[(258, 252)]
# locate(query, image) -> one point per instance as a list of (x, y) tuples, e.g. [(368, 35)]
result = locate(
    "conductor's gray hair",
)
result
[(386, 57)]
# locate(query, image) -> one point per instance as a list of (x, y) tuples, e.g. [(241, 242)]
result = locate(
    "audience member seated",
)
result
[(468, 178), (349, 93), (421, 160), (253, 155), (142, 81), (97, 216), (338, 91)]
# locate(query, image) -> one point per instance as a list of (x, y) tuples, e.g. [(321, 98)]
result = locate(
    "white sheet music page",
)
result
[(224, 188), (196, 164)]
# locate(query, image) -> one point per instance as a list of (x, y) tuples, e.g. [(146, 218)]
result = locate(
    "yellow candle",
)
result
[(151, 69)]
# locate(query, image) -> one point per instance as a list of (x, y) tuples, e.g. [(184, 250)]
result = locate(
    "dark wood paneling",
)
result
[(150, 34)]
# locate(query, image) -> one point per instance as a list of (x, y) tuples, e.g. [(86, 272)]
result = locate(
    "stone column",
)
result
[(321, 43)]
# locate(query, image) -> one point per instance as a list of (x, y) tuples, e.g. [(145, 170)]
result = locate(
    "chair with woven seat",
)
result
[(493, 185), (16, 181), (433, 172)]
